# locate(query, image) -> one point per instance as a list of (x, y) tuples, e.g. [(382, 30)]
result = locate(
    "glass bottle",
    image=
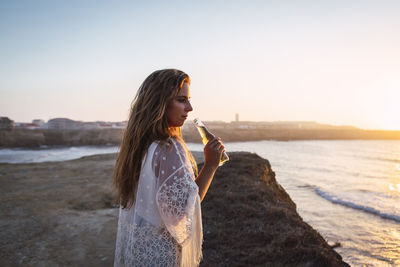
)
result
[(206, 135)]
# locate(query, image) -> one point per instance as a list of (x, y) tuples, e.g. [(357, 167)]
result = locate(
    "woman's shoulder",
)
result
[(163, 144), (169, 146), (167, 153), (170, 143)]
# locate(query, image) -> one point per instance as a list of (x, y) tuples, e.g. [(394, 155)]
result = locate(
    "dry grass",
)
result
[(249, 220)]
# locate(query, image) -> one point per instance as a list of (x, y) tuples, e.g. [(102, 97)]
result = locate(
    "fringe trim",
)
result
[(192, 251)]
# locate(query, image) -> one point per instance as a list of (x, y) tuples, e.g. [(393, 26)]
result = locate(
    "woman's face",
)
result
[(179, 107)]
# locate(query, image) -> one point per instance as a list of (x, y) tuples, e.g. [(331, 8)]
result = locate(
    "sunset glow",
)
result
[(391, 109), (333, 62)]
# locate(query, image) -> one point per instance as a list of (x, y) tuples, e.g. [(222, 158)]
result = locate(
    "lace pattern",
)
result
[(146, 245), (164, 226), (174, 199)]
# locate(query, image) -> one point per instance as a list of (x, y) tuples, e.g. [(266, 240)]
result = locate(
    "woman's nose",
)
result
[(189, 107)]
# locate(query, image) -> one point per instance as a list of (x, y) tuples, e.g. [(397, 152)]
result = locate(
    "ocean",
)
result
[(45, 154), (349, 191)]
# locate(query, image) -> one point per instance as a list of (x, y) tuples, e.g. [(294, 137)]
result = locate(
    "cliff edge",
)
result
[(250, 220)]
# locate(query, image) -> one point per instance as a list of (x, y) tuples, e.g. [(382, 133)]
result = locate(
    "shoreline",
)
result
[(20, 138), (49, 147)]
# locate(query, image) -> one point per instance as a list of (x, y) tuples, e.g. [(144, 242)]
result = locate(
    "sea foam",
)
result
[(352, 204)]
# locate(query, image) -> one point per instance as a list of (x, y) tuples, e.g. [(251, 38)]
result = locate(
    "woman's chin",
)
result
[(177, 123), (176, 126)]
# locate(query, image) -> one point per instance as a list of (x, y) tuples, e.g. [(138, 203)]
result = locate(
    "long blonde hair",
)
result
[(147, 123)]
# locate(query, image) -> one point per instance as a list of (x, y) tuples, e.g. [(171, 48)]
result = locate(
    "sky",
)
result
[(334, 62)]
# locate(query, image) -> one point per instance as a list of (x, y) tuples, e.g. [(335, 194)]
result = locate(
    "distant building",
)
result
[(88, 125), (236, 117), (31, 126), (40, 123), (102, 124), (6, 123), (216, 124), (35, 124), (61, 124), (120, 125)]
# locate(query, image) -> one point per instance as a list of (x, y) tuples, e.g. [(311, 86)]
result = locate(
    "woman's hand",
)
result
[(212, 152), (212, 155)]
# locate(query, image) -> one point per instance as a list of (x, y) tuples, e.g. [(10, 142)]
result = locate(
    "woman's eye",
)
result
[(182, 100)]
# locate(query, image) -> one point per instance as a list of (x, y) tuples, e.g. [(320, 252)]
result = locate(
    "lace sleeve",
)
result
[(177, 191)]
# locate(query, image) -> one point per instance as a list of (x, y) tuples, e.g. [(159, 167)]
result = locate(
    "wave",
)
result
[(305, 185), (337, 200), (393, 160)]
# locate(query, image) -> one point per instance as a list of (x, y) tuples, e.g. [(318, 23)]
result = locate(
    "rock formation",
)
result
[(250, 220)]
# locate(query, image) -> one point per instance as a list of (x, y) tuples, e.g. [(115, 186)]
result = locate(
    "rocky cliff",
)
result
[(250, 220)]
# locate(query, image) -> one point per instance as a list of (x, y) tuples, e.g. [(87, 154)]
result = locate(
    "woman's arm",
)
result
[(176, 193), (212, 155)]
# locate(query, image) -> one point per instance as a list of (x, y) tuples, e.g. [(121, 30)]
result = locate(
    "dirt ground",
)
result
[(58, 213)]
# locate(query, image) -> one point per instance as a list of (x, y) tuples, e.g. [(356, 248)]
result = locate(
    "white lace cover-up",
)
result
[(164, 226)]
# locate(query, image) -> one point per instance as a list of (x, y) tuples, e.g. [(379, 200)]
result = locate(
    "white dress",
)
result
[(163, 227)]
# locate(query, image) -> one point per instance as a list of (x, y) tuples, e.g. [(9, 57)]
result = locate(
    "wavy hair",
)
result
[(147, 123)]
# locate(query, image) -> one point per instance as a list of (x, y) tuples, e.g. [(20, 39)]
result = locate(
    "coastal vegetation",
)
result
[(228, 132)]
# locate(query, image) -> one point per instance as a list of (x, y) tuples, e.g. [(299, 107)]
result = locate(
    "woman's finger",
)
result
[(220, 148), (214, 143), (218, 144), (211, 141)]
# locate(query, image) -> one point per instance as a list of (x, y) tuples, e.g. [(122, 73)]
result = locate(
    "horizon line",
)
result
[(233, 121)]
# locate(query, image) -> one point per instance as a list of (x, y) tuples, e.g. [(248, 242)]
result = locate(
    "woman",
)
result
[(160, 215)]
